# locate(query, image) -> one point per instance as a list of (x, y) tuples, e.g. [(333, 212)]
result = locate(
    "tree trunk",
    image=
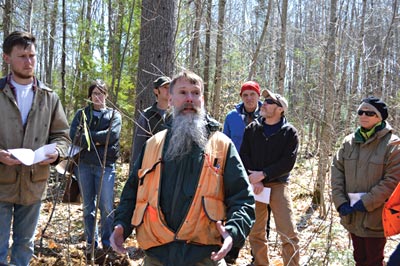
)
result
[(260, 42), (194, 45), (282, 50), (7, 14), (218, 64), (326, 124), (206, 75), (156, 49)]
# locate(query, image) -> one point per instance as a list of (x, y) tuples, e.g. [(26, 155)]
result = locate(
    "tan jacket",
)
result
[(206, 208), (46, 124), (372, 167)]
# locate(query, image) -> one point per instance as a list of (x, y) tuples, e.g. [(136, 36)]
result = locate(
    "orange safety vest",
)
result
[(391, 214), (207, 207)]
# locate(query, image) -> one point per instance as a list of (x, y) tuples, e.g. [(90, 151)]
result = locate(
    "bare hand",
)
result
[(258, 188), (50, 158), (117, 239), (226, 246), (7, 159), (256, 176)]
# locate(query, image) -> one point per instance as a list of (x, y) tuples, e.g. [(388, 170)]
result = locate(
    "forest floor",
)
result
[(323, 240)]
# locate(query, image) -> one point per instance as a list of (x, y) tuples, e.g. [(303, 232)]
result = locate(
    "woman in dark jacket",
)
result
[(96, 129)]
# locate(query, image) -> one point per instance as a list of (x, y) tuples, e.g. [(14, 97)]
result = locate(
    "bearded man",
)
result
[(188, 195)]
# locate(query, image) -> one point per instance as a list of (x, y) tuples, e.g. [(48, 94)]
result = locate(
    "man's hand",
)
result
[(7, 159), (117, 239), (226, 246), (256, 176), (50, 158), (258, 188)]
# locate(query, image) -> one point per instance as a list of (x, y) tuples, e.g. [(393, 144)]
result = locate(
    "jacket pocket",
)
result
[(138, 214), (375, 169), (373, 220), (346, 220), (39, 173), (8, 174), (214, 208)]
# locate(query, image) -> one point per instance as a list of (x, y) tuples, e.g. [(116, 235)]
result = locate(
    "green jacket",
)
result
[(372, 167), (46, 124), (178, 185)]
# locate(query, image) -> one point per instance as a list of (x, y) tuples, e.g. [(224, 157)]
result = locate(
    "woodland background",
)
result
[(323, 55)]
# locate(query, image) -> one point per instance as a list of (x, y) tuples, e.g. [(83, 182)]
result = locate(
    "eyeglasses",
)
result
[(367, 113), (97, 94), (272, 101)]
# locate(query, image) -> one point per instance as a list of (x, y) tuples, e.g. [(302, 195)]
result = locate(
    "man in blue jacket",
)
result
[(244, 112)]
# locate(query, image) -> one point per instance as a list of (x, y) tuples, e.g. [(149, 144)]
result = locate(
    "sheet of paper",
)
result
[(263, 196), (29, 157), (354, 197), (73, 150)]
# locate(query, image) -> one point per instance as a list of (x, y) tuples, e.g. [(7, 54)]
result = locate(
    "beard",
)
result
[(21, 75), (187, 129)]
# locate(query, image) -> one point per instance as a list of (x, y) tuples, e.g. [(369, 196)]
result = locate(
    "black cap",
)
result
[(161, 81)]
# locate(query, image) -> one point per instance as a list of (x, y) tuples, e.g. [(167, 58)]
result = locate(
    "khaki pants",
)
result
[(150, 261), (281, 207)]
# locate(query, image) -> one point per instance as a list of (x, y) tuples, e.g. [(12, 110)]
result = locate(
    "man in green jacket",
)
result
[(365, 171), (182, 197), (32, 116)]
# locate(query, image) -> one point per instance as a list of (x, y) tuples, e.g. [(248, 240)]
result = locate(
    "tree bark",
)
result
[(219, 55), (327, 127)]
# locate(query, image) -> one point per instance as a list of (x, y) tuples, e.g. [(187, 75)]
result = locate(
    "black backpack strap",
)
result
[(3, 82)]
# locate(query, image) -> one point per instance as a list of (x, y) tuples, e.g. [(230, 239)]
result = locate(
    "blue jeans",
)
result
[(89, 183), (25, 219), (395, 257)]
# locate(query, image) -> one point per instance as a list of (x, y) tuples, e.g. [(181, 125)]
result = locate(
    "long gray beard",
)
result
[(186, 129)]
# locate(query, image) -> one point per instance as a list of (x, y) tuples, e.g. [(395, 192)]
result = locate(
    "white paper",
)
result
[(29, 157), (263, 196), (73, 150), (354, 197)]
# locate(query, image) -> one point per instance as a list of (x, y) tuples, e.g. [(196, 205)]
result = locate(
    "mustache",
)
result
[(188, 106)]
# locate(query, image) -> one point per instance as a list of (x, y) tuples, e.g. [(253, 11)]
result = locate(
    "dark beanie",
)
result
[(378, 104)]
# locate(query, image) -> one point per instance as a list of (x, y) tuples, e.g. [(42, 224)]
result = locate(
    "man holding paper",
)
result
[(268, 152), (365, 171), (32, 116)]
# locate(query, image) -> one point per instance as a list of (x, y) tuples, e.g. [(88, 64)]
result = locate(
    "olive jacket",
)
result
[(371, 167), (46, 123)]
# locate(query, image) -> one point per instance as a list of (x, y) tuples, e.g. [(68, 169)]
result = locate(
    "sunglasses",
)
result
[(272, 101), (367, 113)]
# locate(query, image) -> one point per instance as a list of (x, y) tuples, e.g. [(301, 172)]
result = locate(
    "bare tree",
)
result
[(156, 50), (282, 50), (219, 55), (326, 124)]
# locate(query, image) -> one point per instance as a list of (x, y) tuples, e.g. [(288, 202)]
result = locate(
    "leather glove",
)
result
[(345, 209), (359, 206)]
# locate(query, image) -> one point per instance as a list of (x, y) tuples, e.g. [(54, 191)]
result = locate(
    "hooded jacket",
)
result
[(371, 167), (46, 123)]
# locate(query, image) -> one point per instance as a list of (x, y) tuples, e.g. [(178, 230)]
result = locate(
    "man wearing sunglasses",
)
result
[(365, 171), (268, 152)]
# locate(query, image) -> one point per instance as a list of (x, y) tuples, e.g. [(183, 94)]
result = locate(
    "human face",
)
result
[(187, 97), (162, 93), (250, 99), (366, 121), (22, 63), (270, 109), (98, 98)]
